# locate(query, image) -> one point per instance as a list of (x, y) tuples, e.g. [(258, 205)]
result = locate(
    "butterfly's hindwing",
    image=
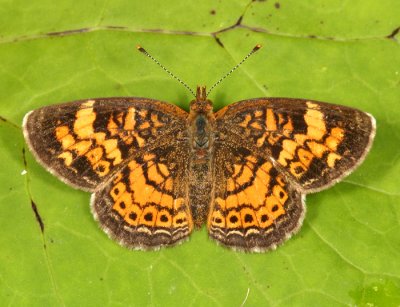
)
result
[(145, 206), (255, 208)]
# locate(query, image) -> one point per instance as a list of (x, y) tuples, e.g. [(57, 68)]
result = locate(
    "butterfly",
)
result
[(157, 172)]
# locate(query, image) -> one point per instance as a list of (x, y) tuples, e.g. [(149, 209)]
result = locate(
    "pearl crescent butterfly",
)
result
[(157, 172)]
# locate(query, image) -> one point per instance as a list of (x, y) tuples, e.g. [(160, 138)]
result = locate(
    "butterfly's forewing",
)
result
[(314, 144), (117, 148), (85, 142)]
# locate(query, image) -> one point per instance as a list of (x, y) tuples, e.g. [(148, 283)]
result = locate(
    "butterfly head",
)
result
[(201, 104)]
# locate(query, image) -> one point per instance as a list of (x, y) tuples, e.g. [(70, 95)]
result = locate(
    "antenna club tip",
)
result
[(140, 48), (258, 46)]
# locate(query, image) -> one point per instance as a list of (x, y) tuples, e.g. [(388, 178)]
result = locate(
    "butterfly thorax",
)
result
[(201, 123), (201, 126)]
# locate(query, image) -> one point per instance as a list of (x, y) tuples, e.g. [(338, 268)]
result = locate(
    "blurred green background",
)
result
[(345, 52)]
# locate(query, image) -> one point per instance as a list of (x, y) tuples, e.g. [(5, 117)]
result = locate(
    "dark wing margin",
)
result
[(85, 142), (315, 144)]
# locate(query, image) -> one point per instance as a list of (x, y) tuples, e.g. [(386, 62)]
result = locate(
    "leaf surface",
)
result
[(345, 52)]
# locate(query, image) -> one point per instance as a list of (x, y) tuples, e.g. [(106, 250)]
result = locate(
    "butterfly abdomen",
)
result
[(200, 191)]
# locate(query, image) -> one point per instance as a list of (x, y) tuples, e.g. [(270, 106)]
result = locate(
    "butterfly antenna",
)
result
[(257, 47), (142, 50)]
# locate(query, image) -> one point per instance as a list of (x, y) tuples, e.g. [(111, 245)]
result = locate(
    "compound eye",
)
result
[(192, 103), (209, 105)]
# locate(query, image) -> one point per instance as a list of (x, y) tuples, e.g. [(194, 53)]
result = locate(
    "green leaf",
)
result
[(343, 52)]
